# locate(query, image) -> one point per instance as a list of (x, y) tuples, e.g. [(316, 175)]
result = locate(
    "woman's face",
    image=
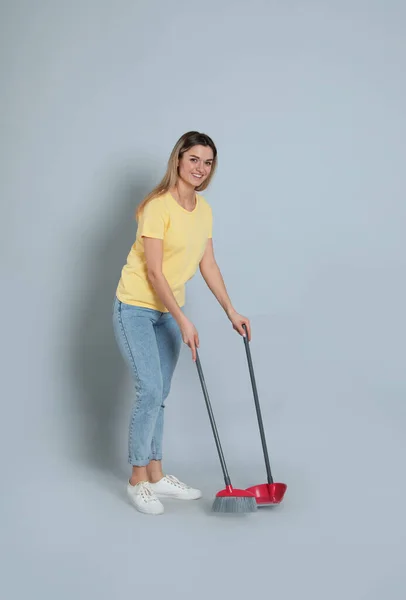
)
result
[(195, 165)]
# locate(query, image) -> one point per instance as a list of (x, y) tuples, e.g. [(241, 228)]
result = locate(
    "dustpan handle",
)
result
[(257, 407), (212, 421)]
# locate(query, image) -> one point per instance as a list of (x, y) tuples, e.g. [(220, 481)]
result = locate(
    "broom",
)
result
[(229, 500)]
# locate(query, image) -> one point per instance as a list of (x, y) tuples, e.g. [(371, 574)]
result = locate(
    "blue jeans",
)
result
[(149, 342)]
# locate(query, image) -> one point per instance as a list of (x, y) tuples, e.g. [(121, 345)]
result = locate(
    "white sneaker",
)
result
[(170, 487), (144, 499)]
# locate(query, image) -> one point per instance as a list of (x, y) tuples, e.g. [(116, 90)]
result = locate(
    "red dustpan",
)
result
[(271, 493)]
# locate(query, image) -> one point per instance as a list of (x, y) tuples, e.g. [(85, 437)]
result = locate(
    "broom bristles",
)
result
[(243, 504)]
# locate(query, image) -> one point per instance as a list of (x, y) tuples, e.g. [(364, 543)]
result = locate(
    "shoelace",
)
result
[(175, 481), (146, 492)]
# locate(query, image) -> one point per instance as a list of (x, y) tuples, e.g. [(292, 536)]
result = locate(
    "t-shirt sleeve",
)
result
[(153, 220), (210, 224)]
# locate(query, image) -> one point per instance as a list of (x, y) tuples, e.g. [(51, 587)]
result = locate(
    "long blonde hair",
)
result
[(187, 141)]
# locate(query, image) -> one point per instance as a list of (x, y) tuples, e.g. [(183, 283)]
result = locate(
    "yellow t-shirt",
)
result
[(184, 234)]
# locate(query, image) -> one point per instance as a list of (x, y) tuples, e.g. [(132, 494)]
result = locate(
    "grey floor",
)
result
[(340, 532)]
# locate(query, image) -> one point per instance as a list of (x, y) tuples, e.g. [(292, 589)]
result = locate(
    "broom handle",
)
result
[(257, 407), (212, 421)]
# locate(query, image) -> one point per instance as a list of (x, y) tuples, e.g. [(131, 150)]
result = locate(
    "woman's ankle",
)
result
[(138, 475), (154, 471)]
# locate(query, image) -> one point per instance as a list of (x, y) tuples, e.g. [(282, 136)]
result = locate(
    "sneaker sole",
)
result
[(176, 497), (146, 512)]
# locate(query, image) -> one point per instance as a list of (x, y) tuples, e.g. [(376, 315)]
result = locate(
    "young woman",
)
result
[(174, 239)]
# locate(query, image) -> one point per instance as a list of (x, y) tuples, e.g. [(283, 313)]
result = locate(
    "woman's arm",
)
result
[(212, 275), (153, 249)]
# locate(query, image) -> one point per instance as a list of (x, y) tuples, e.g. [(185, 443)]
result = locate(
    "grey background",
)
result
[(306, 102)]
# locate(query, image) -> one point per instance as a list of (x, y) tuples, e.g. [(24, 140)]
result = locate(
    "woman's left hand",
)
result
[(238, 321)]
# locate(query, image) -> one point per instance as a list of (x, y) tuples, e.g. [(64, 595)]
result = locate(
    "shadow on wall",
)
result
[(98, 368)]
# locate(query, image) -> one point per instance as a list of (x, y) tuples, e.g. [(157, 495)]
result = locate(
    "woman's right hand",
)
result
[(190, 336)]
